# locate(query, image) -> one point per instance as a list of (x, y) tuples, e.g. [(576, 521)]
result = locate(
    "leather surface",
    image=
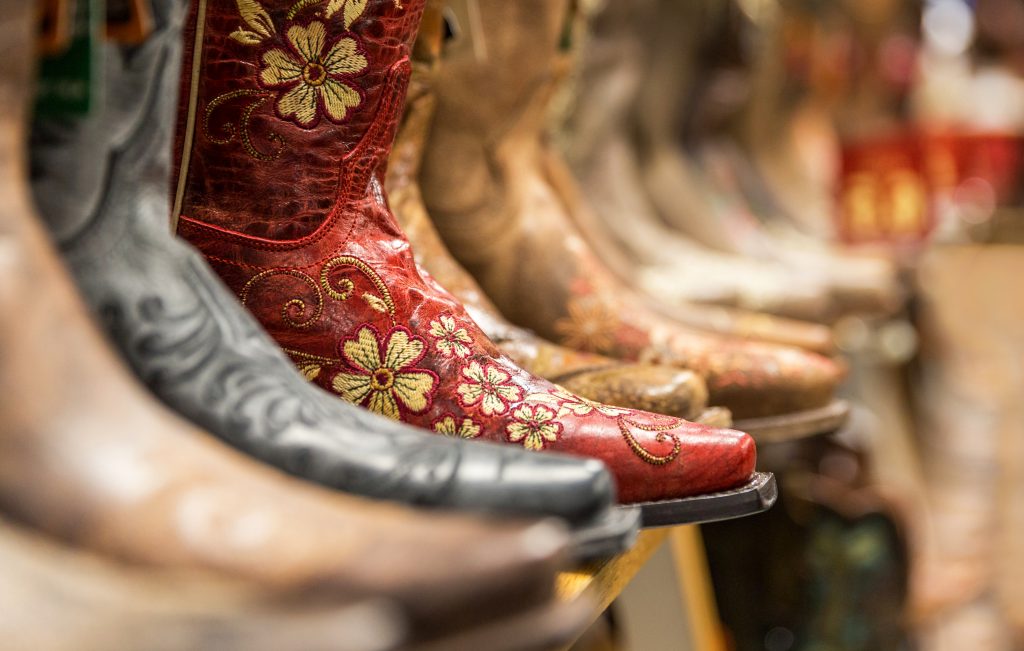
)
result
[(59, 599), (101, 185), (89, 457), (504, 220), (659, 389), (352, 308)]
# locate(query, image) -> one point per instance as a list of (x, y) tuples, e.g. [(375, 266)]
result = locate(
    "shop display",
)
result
[(325, 268), (202, 353), (427, 325)]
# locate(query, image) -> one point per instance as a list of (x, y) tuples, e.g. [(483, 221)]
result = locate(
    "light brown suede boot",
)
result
[(487, 182)]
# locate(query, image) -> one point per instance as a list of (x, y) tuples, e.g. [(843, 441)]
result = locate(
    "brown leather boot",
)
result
[(90, 457), (56, 598), (487, 185), (659, 389)]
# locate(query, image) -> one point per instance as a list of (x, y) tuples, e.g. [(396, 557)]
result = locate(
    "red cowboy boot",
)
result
[(291, 114), (510, 219)]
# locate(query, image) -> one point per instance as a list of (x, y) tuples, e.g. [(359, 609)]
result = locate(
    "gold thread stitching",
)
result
[(662, 437), (242, 131), (296, 303)]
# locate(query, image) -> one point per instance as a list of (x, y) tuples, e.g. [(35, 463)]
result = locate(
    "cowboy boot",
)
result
[(319, 259), (204, 355), (506, 223), (659, 389), (610, 61), (56, 598), (125, 477)]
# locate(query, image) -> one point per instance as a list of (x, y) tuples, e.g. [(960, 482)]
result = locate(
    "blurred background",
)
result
[(890, 128)]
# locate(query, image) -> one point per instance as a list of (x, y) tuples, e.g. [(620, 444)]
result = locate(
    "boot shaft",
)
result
[(288, 109)]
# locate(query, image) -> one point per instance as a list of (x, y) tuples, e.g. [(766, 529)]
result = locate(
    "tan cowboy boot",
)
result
[(659, 389), (90, 457), (502, 217)]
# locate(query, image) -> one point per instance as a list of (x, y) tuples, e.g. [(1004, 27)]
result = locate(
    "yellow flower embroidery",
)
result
[(385, 382), (534, 426), (448, 426), (590, 326), (309, 75), (489, 387), (570, 402), (452, 341)]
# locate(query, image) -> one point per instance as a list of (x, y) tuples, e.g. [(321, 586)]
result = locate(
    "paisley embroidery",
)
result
[(535, 426), (664, 435), (451, 340), (384, 377), (448, 425), (297, 313), (488, 386)]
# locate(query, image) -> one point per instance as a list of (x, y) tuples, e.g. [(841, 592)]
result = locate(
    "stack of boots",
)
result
[(285, 136), (101, 183), (624, 227), (487, 182), (671, 113), (89, 457), (659, 389)]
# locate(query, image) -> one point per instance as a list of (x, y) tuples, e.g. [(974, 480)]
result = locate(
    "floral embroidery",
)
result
[(385, 377), (310, 75), (590, 325), (489, 387), (570, 402), (308, 72), (535, 425), (452, 341), (257, 19), (448, 426)]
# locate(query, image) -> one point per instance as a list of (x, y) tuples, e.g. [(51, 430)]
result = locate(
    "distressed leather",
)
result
[(659, 389), (101, 185), (57, 598), (91, 458), (487, 183), (350, 305)]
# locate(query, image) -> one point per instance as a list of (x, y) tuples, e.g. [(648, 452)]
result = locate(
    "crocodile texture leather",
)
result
[(347, 300), (101, 185), (503, 201)]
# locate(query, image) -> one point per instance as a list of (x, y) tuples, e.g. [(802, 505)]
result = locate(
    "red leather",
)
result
[(309, 244)]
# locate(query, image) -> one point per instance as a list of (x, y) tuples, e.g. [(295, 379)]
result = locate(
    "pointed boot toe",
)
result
[(710, 459), (756, 380)]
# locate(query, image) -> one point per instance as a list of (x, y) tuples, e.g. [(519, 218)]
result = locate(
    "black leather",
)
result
[(102, 185)]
